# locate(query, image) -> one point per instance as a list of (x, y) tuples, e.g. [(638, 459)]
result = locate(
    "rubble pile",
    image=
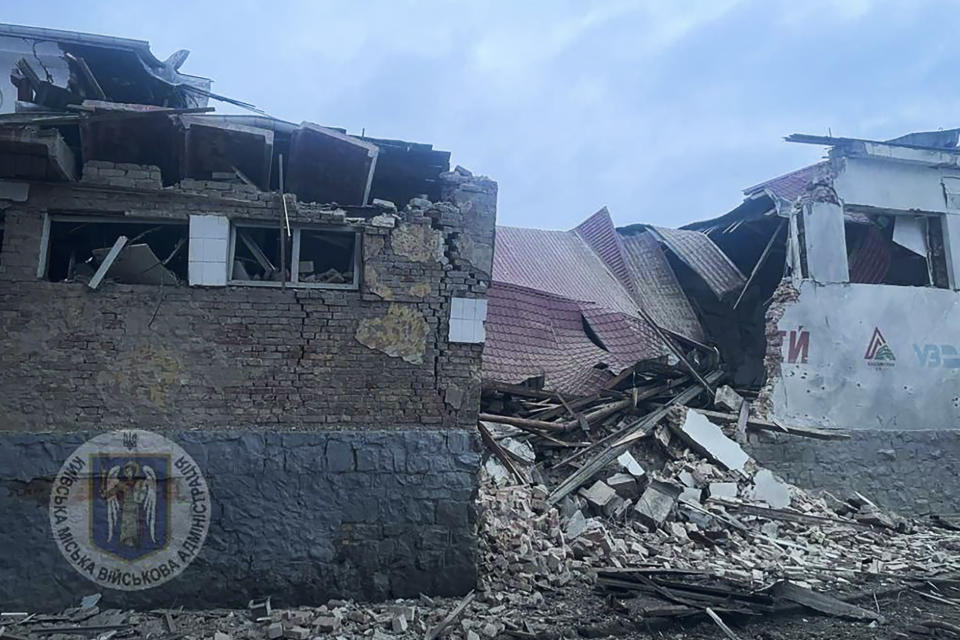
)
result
[(671, 522)]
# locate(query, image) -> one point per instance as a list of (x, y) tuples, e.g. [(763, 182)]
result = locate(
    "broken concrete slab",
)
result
[(328, 166), (625, 485), (691, 494), (495, 470), (137, 264), (521, 450), (728, 399), (629, 464), (708, 439), (769, 489), (655, 504), (722, 490)]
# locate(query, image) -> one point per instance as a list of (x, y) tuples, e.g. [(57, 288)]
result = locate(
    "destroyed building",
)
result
[(301, 309), (825, 298)]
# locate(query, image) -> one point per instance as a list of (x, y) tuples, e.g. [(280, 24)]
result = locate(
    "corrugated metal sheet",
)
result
[(658, 290), (699, 252), (563, 305)]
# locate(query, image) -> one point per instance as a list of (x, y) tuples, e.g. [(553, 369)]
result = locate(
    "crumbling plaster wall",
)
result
[(822, 375), (912, 472), (822, 336)]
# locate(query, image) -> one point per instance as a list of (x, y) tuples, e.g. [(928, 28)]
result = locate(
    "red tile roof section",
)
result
[(557, 262), (601, 236), (789, 186)]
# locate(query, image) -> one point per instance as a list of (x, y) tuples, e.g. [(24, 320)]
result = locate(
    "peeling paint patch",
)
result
[(372, 245), (371, 277), (478, 255), (418, 242), (149, 372), (402, 333)]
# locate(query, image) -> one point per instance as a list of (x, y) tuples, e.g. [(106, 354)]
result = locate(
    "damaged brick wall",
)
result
[(336, 427), (177, 357)]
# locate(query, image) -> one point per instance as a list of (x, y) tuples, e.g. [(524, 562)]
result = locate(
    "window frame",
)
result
[(294, 257), (43, 260)]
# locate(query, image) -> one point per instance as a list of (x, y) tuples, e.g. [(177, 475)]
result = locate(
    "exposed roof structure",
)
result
[(699, 253), (70, 98)]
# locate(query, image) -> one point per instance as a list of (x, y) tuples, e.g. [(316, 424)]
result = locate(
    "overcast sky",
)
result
[(662, 110)]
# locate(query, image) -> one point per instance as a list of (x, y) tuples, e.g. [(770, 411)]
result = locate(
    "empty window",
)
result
[(153, 252), (308, 257), (902, 250)]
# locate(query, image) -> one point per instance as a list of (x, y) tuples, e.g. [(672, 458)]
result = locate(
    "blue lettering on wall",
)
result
[(937, 355)]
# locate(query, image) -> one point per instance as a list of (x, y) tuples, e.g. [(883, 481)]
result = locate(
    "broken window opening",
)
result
[(257, 254), (315, 257), (155, 251), (899, 250)]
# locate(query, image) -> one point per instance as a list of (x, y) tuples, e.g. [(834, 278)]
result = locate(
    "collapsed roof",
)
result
[(576, 309), (70, 98)]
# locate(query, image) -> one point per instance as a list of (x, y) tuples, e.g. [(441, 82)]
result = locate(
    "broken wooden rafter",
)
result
[(108, 261), (764, 425), (627, 436), (668, 342), (501, 455)]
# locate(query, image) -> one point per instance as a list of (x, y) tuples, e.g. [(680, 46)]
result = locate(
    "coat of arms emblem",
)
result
[(130, 515)]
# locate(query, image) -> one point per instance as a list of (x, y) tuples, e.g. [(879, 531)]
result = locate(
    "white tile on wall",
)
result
[(208, 249), (467, 316)]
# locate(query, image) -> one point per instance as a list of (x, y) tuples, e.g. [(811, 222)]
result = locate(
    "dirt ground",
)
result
[(902, 611)]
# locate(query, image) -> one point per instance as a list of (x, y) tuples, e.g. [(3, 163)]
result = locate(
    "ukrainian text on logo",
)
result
[(129, 509)]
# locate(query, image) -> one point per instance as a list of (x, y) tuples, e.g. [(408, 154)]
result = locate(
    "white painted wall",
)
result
[(839, 386), (893, 185)]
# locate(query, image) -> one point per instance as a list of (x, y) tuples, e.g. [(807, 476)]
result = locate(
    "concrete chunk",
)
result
[(599, 495), (576, 525), (327, 624), (691, 494), (769, 489), (625, 485), (708, 439), (275, 631), (398, 623), (655, 504), (728, 399), (629, 464), (296, 633)]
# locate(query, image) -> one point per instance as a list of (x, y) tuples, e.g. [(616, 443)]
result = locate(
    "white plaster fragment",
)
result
[(707, 437)]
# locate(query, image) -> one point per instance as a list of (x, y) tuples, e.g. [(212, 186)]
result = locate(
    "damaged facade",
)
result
[(826, 298), (300, 308)]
